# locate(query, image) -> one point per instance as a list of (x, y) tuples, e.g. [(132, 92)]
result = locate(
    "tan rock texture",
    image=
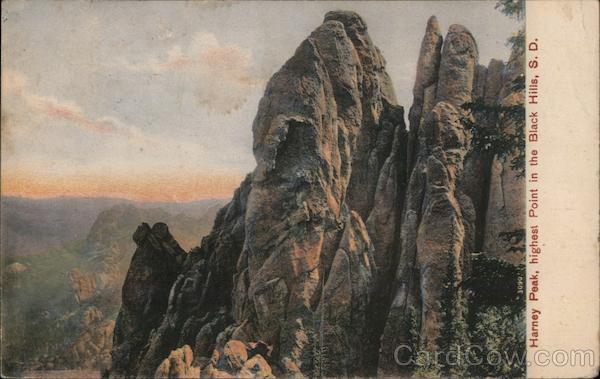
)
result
[(236, 359), (178, 365), (92, 348), (322, 134), (425, 86), (83, 284)]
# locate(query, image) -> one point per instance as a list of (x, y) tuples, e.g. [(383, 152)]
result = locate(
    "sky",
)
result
[(154, 101)]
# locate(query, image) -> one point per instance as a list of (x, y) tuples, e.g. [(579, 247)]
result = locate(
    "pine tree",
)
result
[(412, 325), (496, 140), (512, 8), (500, 330), (411, 331), (318, 354), (453, 332), (506, 138)]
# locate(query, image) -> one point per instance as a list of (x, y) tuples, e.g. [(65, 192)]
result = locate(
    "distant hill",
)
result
[(30, 226), (64, 262)]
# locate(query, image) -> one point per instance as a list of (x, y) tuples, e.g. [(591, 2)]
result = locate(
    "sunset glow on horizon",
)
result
[(144, 189)]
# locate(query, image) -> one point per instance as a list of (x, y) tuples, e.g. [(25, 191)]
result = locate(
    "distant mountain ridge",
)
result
[(30, 226)]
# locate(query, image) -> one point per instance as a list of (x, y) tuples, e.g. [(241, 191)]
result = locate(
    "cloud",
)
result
[(221, 75), (72, 113), (26, 106), (73, 138)]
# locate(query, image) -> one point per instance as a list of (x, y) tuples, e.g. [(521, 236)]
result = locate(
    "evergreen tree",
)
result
[(499, 333), (411, 330), (453, 338), (512, 8), (412, 325), (496, 317), (507, 137), (496, 139), (318, 354), (427, 366)]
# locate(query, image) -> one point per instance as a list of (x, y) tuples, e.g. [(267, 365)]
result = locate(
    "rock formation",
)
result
[(347, 222), (451, 203), (154, 267), (92, 348), (178, 365), (235, 359), (83, 284)]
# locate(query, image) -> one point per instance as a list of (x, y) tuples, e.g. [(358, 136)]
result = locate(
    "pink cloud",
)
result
[(177, 62), (22, 101), (74, 115)]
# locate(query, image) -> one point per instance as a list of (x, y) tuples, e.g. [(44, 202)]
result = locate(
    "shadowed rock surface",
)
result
[(154, 267), (347, 222)]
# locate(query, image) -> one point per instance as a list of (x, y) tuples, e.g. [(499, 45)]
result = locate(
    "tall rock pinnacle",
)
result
[(457, 66), (322, 134), (425, 88)]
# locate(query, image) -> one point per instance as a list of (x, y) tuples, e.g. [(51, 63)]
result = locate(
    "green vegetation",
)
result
[(453, 332), (38, 308), (502, 330), (506, 138), (494, 283), (319, 355), (496, 307), (503, 135), (512, 8), (412, 327), (482, 316)]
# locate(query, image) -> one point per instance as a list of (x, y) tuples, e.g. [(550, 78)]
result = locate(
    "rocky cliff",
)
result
[(349, 221)]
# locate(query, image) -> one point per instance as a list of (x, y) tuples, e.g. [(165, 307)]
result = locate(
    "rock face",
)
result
[(196, 309), (438, 218), (322, 134), (92, 348), (178, 365), (154, 267), (347, 222), (235, 359), (425, 88), (83, 284)]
